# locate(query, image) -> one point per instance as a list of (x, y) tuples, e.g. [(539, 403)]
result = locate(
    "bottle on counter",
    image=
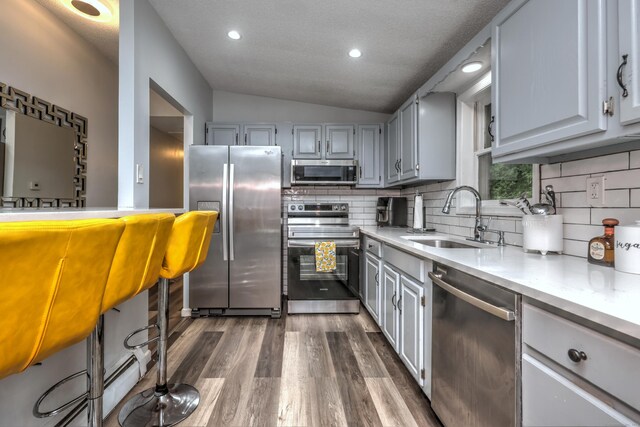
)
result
[(602, 248)]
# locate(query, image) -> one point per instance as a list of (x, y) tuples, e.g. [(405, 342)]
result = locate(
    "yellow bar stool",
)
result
[(55, 275), (136, 266), (168, 404)]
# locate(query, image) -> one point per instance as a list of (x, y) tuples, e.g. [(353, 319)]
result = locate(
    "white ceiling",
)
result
[(297, 49)]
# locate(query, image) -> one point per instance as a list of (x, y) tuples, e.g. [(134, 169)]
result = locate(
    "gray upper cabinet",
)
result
[(392, 170), (628, 73), (437, 136), (222, 134), (549, 74), (368, 148), (407, 118), (259, 134), (307, 141), (339, 141)]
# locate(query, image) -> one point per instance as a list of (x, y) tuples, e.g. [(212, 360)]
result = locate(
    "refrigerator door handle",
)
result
[(223, 219), (231, 233)]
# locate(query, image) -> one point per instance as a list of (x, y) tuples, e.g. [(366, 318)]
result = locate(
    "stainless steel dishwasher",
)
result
[(476, 351)]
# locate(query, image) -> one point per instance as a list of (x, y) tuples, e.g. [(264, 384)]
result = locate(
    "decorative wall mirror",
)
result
[(43, 152)]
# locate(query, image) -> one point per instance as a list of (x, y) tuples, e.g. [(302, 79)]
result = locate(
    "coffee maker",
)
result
[(391, 212)]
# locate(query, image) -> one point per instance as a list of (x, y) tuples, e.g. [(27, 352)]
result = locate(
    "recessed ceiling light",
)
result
[(355, 53), (233, 34), (471, 67), (95, 10)]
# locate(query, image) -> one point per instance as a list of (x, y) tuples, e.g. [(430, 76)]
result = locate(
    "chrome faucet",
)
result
[(478, 227)]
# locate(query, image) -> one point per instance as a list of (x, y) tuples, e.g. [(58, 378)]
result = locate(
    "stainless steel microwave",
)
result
[(324, 172)]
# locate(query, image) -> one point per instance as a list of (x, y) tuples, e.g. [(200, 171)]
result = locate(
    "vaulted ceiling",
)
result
[(297, 49)]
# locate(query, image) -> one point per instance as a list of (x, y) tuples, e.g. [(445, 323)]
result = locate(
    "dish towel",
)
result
[(325, 256)]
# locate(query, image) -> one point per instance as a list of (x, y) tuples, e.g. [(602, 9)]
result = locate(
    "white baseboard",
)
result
[(123, 385), (185, 312)]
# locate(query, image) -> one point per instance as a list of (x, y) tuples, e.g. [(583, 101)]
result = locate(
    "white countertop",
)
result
[(600, 294), (45, 214)]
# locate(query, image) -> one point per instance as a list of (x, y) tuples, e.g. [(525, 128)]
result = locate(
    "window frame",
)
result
[(467, 167)]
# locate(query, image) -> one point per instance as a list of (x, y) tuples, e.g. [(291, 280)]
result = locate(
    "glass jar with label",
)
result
[(601, 249)]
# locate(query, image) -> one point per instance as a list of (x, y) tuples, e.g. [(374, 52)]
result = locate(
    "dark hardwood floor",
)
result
[(301, 370)]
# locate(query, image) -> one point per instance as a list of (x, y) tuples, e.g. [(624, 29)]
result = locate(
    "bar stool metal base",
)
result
[(162, 409)]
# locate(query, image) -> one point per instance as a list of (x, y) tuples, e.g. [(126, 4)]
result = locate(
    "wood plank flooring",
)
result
[(301, 370)]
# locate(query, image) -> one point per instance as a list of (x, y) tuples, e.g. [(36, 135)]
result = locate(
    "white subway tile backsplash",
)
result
[(550, 171), (635, 159), (582, 232), (600, 164), (575, 248), (612, 199), (562, 185), (622, 179), (625, 216), (635, 198), (575, 215)]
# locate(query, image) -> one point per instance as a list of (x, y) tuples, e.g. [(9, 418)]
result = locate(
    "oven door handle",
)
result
[(500, 312), (312, 243)]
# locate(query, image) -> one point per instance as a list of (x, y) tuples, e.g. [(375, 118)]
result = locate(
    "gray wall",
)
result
[(44, 57), (166, 158), (149, 54), (232, 107)]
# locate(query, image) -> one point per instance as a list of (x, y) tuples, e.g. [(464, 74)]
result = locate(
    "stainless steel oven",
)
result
[(312, 291), (330, 172)]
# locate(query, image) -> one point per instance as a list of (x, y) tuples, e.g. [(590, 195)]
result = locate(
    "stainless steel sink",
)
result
[(448, 243)]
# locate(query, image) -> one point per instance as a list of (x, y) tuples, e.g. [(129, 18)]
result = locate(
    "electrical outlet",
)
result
[(595, 191)]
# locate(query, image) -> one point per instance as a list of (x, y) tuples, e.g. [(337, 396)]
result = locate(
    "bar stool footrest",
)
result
[(82, 398), (137, 331)]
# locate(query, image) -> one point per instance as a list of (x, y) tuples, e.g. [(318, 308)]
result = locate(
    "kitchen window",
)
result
[(495, 182)]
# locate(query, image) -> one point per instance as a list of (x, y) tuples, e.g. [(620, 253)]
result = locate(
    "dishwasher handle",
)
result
[(500, 312)]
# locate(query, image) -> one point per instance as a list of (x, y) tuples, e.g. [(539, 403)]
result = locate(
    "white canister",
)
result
[(627, 248), (542, 233)]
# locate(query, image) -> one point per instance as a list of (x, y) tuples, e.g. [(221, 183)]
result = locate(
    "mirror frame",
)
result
[(22, 102)]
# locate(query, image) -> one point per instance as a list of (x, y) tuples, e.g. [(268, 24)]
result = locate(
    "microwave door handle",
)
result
[(223, 219)]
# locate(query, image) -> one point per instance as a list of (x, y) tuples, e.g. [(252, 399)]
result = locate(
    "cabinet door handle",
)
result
[(376, 277), (319, 147), (360, 172), (623, 86), (327, 146), (490, 128), (400, 165), (393, 301), (576, 356), (398, 304)]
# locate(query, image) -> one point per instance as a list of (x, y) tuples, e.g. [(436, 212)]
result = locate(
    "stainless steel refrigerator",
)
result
[(242, 273)]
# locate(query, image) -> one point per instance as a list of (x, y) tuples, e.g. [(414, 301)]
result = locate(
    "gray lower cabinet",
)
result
[(411, 309), (389, 309), (550, 399), (222, 134), (368, 155), (372, 285), (549, 73), (629, 60), (573, 375)]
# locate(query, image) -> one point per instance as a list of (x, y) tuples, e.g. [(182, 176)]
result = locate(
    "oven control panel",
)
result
[(312, 209)]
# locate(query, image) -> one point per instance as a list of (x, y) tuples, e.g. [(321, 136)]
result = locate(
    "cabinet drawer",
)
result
[(407, 263), (609, 364), (372, 246)]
